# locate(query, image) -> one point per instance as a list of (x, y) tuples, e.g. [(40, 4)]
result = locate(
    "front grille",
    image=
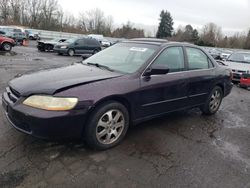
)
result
[(13, 94)]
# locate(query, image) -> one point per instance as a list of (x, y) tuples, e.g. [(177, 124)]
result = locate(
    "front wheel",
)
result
[(213, 102), (7, 46), (107, 126), (71, 52)]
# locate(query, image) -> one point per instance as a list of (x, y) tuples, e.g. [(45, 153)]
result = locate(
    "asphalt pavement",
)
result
[(182, 149)]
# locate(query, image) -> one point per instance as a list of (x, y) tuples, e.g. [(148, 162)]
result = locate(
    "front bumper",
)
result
[(52, 125)]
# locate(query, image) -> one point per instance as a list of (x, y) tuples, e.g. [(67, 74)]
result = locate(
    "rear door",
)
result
[(164, 93), (79, 46), (201, 73), (91, 45)]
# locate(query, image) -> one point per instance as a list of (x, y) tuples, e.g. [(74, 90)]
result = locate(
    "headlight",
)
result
[(51, 103), (64, 47)]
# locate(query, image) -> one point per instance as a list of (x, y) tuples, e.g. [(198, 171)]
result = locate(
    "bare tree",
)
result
[(34, 12), (4, 11)]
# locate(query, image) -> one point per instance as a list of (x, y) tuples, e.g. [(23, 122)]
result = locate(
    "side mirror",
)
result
[(156, 70), (76, 43)]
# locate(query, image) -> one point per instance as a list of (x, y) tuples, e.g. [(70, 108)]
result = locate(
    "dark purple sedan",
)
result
[(128, 83)]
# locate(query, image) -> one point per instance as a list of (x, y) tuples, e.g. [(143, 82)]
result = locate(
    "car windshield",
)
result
[(123, 57), (240, 58)]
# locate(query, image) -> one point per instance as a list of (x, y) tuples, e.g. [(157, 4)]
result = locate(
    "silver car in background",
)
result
[(239, 63)]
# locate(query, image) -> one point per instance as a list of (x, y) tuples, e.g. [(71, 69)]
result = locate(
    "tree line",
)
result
[(210, 34), (48, 15)]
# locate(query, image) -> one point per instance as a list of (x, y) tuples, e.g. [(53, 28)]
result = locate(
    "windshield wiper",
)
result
[(101, 66)]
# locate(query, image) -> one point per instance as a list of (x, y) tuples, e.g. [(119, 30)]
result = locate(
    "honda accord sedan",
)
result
[(98, 99)]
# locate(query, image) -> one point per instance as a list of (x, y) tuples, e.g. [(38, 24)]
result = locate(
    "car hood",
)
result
[(5, 38), (238, 66), (51, 80)]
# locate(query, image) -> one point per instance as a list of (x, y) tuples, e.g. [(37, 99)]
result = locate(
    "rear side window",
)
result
[(92, 42), (173, 58), (197, 59)]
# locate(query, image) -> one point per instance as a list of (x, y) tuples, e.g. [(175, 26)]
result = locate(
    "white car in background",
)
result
[(105, 43), (239, 63), (225, 54)]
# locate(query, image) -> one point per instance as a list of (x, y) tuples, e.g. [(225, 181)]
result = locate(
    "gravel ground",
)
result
[(183, 149)]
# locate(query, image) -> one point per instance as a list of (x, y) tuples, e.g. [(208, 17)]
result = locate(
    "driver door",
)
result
[(160, 94)]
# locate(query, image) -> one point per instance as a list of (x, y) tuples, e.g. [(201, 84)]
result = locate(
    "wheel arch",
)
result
[(221, 85), (114, 98)]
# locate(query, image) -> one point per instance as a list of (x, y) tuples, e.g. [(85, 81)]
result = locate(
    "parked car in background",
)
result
[(48, 45), (215, 53), (224, 54), (78, 46), (105, 43), (15, 33), (6, 44), (99, 38), (32, 35), (239, 63), (245, 81), (130, 82), (2, 33)]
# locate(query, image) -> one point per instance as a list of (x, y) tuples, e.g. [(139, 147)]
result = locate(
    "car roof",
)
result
[(158, 42)]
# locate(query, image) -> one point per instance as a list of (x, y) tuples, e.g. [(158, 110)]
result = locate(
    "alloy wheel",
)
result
[(110, 127), (215, 100)]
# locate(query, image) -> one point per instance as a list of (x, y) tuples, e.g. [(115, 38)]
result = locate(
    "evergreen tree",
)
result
[(195, 36), (165, 28)]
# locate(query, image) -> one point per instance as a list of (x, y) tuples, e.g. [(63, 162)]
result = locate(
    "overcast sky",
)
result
[(231, 15)]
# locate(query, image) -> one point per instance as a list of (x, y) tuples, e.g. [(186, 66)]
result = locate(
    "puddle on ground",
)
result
[(3, 53)]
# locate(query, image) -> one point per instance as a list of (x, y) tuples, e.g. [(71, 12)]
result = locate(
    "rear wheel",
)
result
[(71, 52), (7, 46), (213, 102), (107, 126), (95, 51)]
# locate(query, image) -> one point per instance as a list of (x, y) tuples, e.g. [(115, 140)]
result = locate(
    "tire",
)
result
[(102, 127), (48, 47), (213, 102), (7, 46), (71, 52), (95, 51)]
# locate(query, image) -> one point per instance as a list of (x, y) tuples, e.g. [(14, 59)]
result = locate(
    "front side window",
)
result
[(173, 58), (80, 42), (197, 59)]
